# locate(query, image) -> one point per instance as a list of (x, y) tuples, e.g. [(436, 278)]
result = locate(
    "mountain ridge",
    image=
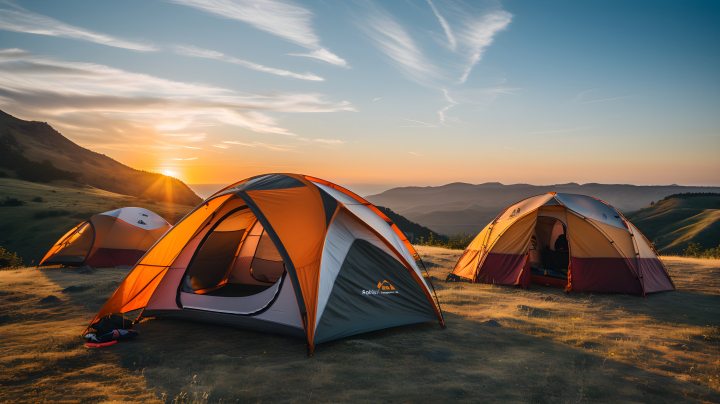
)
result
[(39, 153), (440, 207)]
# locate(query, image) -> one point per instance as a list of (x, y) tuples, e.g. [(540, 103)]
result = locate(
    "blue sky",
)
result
[(376, 94)]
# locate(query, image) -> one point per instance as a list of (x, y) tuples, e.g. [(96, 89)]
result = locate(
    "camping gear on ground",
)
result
[(110, 239), (282, 253), (100, 344), (584, 245), (111, 322)]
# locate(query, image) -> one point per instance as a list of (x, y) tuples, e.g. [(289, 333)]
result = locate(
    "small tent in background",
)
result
[(282, 253), (117, 237), (567, 240)]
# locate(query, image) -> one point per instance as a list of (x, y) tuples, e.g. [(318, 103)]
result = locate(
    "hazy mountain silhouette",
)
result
[(36, 152), (455, 207)]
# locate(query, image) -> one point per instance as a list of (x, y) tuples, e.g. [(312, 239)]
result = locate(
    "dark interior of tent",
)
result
[(549, 252), (235, 258)]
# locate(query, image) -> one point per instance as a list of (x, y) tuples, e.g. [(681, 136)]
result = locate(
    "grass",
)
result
[(31, 229), (501, 345)]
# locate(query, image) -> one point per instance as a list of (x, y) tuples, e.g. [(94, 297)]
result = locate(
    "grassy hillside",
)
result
[(451, 222), (34, 151), (32, 228), (673, 223), (412, 230), (501, 345)]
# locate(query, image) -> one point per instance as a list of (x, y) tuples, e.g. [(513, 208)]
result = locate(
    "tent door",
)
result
[(549, 249)]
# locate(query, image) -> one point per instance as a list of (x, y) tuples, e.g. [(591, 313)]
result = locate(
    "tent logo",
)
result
[(383, 288)]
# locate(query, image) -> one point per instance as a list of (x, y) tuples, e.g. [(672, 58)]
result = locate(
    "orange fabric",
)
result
[(138, 286), (297, 216), (516, 239), (61, 243), (467, 265)]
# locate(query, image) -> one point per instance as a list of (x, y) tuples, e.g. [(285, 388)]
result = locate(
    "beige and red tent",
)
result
[(282, 253), (117, 237), (574, 241)]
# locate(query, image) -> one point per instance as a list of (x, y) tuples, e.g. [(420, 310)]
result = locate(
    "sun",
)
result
[(170, 173)]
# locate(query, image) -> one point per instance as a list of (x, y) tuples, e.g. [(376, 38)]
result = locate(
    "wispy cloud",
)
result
[(124, 103), (209, 54), (329, 141), (480, 33), (324, 55), (377, 99), (443, 110), (610, 99), (179, 159), (392, 40), (452, 44), (277, 147), (21, 20), (415, 153), (220, 146), (579, 97), (280, 18), (425, 124)]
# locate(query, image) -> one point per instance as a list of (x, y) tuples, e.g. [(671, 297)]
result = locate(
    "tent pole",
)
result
[(437, 301)]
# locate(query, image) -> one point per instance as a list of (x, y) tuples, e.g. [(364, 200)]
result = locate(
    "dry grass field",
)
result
[(501, 345)]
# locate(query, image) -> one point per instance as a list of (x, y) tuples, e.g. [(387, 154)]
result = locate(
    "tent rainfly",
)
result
[(109, 239), (282, 253), (567, 240)]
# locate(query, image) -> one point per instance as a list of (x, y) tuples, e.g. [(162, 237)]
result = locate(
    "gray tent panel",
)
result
[(372, 291)]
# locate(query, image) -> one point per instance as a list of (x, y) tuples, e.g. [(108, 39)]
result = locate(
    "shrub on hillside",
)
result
[(8, 260), (42, 214), (460, 241), (11, 202), (695, 250)]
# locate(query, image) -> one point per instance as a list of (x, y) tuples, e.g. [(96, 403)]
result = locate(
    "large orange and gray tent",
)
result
[(573, 241), (117, 237), (282, 253)]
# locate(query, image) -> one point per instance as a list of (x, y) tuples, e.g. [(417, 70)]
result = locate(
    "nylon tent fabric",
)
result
[(605, 253), (109, 239), (210, 267)]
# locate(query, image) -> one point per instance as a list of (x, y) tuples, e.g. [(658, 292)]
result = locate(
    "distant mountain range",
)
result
[(456, 207), (679, 220), (34, 151)]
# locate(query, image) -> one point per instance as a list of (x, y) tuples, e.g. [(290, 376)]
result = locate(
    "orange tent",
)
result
[(109, 239), (567, 240), (282, 253)]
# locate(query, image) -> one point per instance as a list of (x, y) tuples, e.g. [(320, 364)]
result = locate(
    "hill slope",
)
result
[(37, 152), (462, 207), (676, 221)]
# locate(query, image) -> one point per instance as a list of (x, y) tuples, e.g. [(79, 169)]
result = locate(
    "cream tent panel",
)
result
[(622, 238), (516, 238), (586, 241)]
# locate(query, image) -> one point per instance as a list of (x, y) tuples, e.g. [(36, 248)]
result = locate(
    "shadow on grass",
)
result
[(467, 362)]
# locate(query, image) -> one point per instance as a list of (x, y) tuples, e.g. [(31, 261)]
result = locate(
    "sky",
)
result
[(376, 94)]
